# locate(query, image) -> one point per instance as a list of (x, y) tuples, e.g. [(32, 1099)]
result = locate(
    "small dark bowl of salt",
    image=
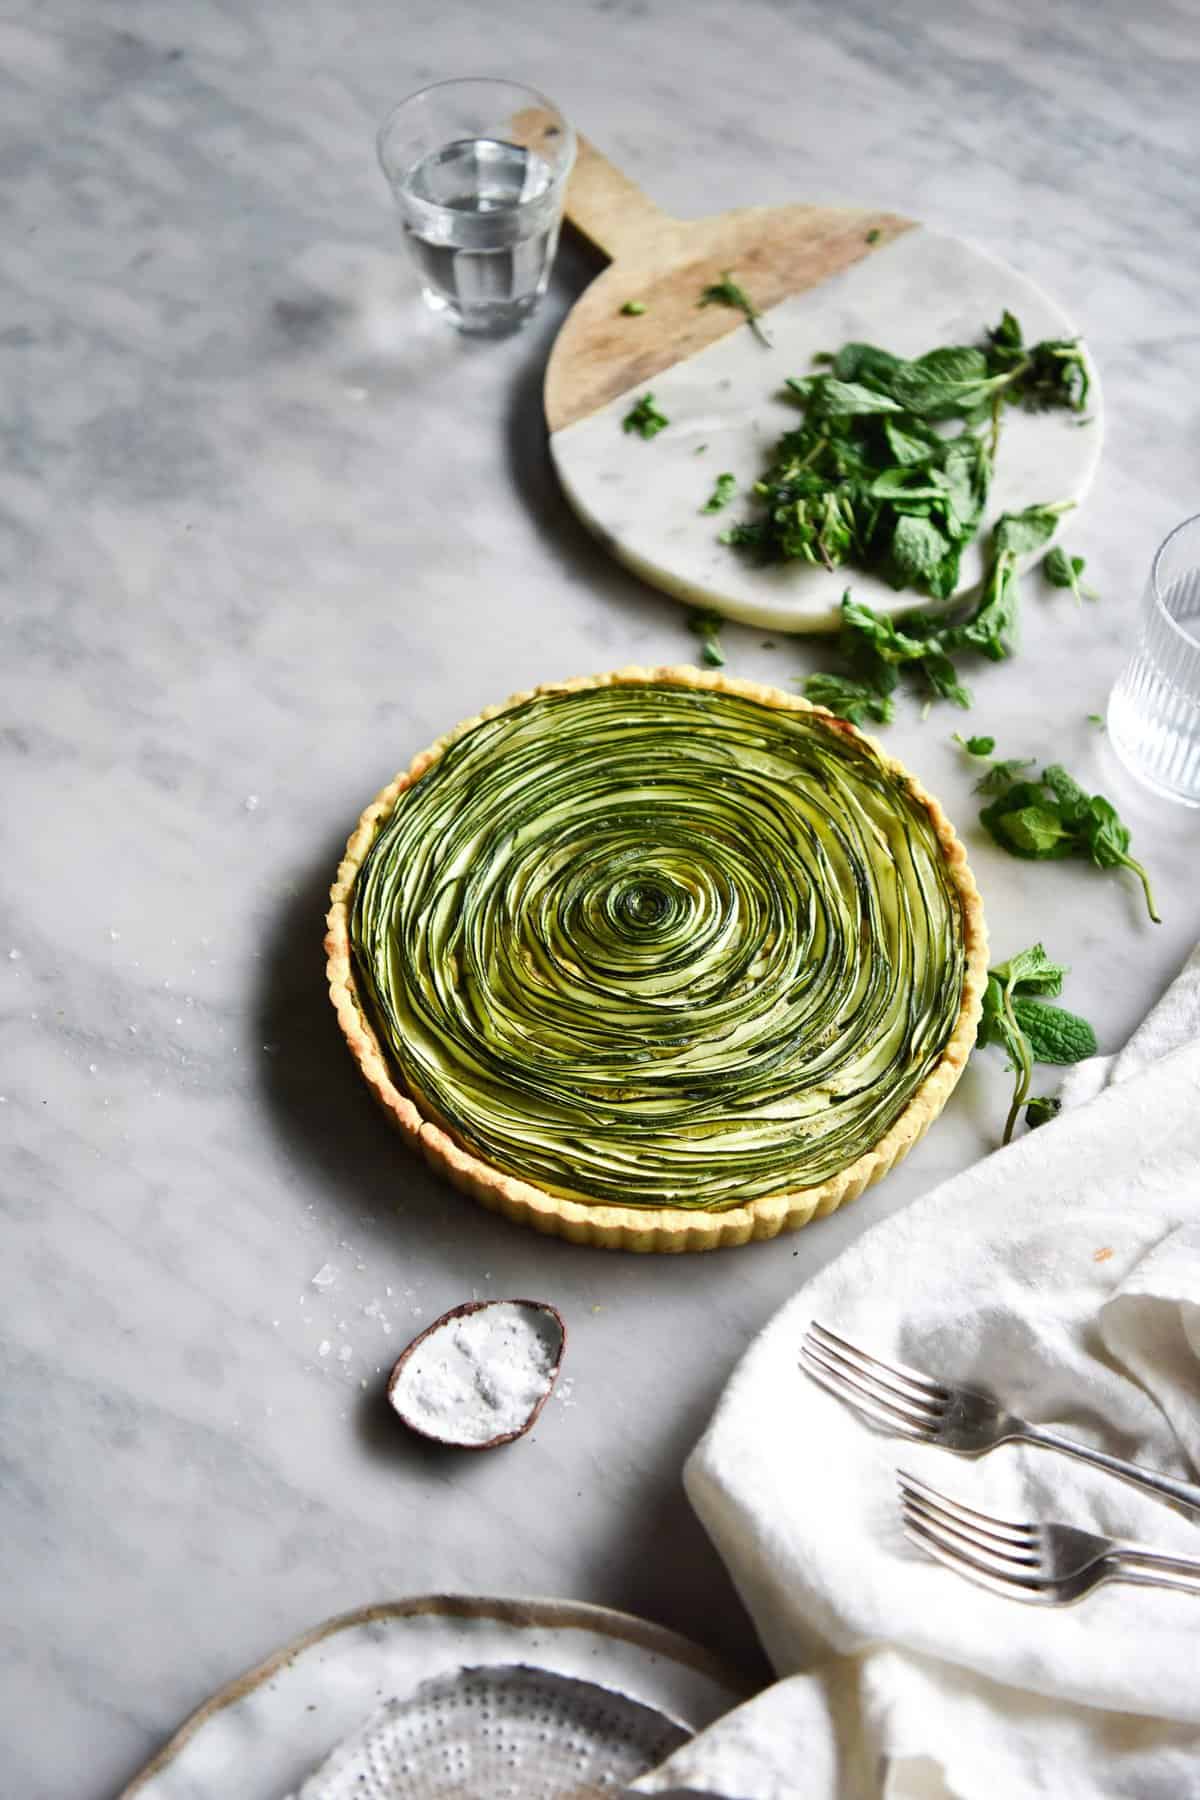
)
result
[(479, 1376)]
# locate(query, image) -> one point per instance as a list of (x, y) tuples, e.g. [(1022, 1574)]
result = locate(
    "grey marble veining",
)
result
[(265, 530)]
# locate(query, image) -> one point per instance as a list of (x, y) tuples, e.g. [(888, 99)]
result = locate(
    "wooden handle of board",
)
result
[(611, 211), (605, 206)]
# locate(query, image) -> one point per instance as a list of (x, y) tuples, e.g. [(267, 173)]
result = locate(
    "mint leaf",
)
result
[(976, 746), (857, 701), (1072, 799), (845, 398), (955, 363), (864, 362), (727, 292), (1023, 532), (722, 494), (1033, 831), (706, 626), (1063, 571), (645, 418), (917, 549), (1006, 335), (904, 447), (1053, 1034), (1002, 774), (1031, 971), (1040, 1111)]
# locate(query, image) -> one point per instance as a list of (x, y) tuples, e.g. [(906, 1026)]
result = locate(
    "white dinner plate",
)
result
[(264, 1733)]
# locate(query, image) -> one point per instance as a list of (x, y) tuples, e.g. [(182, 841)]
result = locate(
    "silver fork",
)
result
[(1045, 1565), (964, 1419)]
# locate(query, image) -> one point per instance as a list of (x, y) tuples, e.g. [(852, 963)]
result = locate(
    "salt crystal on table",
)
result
[(325, 1276)]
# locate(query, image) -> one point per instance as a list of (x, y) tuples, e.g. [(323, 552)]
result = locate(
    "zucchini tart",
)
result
[(658, 960)]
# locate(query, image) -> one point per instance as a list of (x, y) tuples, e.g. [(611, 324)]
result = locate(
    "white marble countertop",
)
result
[(267, 529)]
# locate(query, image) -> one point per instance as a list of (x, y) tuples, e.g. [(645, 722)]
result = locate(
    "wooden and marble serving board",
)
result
[(821, 275)]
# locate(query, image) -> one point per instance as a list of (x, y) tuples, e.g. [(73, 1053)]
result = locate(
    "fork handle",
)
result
[(1154, 1568), (1182, 1494)]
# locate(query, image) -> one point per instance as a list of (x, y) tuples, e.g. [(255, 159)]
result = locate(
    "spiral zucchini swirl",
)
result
[(659, 945)]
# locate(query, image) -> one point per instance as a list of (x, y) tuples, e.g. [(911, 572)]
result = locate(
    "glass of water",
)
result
[(478, 170), (1154, 709)]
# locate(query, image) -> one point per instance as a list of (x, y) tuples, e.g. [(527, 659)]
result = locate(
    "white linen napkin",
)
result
[(1063, 1272)]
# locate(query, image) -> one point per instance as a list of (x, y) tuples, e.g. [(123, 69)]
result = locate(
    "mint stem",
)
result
[(1142, 876), (1024, 1062)]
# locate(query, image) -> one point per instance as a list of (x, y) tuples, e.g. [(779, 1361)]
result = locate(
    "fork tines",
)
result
[(893, 1395), (965, 1539)]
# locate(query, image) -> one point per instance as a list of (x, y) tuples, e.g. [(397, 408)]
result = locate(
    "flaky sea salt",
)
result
[(479, 1377), (325, 1276)]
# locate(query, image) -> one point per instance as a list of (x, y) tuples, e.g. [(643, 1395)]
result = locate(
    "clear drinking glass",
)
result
[(479, 169), (1154, 708)]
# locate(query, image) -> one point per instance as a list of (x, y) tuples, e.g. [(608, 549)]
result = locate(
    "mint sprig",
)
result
[(1018, 1016)]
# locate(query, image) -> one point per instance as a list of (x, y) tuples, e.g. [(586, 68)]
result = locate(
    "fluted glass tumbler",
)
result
[(1154, 708), (478, 170)]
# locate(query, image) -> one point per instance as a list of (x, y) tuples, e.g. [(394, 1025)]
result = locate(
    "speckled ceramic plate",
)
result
[(503, 1734), (265, 1733)]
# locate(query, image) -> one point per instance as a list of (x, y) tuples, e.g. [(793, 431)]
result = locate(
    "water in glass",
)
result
[(482, 218)]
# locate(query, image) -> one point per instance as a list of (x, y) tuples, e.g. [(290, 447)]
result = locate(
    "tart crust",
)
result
[(670, 1229)]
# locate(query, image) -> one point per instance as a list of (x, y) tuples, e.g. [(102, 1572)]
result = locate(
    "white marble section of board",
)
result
[(643, 498)]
